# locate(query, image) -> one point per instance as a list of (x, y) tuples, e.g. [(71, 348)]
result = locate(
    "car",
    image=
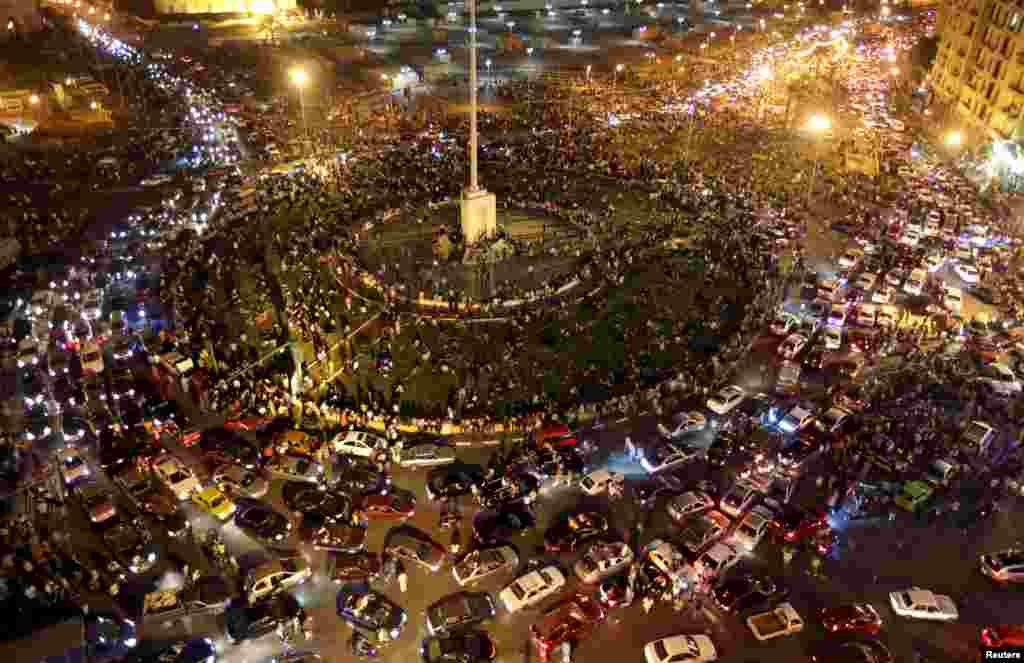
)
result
[(920, 603), (131, 547), (1001, 380), (74, 428), (739, 498), (598, 481), (853, 651), (458, 611), (214, 502), (685, 424), (748, 593), (29, 352), (395, 505), (346, 567), (967, 272), (853, 617), (914, 495), (716, 560), (571, 621), (72, 465), (850, 259), (1003, 635), (179, 479), (726, 400), (118, 447), (59, 363), (506, 523), (359, 479), (36, 423), (470, 646), (426, 455), (260, 522), (415, 546), (603, 559), (121, 348), (303, 498), (833, 420), (793, 524), (370, 611), (1006, 566), (236, 481), (703, 530), (797, 419), (915, 283), (359, 443), (276, 576), (883, 295), (728, 447), (109, 635), (681, 649), (752, 528), (837, 315), (294, 467), (691, 503), (245, 621), (195, 650), (97, 501), (91, 358), (663, 456), (572, 530), (531, 589), (484, 563), (792, 346), (332, 534), (453, 481), (223, 446)]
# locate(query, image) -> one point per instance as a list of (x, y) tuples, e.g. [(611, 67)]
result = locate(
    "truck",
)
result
[(783, 620)]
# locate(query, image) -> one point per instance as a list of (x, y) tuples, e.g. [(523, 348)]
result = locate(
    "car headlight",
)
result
[(279, 537), (131, 643)]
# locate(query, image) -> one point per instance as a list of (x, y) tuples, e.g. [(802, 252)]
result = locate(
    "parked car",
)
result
[(347, 567), (679, 648), (426, 455), (726, 400), (370, 611), (531, 589), (414, 546), (703, 530), (236, 481), (458, 611), (176, 476), (276, 576), (508, 522), (96, 500), (395, 505), (918, 603), (571, 530), (1006, 566), (692, 503), (293, 467), (260, 522), (484, 563), (470, 646), (571, 620), (745, 593), (601, 560), (853, 617)]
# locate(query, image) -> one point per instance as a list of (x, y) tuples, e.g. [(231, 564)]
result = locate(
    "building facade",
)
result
[(979, 68)]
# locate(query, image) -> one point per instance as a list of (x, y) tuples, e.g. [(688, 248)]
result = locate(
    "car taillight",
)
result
[(989, 638)]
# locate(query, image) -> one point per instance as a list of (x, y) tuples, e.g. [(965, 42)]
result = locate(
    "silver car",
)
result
[(485, 563), (426, 455), (236, 481), (296, 468)]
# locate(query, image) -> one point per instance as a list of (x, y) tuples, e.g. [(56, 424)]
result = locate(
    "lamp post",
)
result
[(818, 125), (488, 63), (618, 69), (299, 79), (588, 73)]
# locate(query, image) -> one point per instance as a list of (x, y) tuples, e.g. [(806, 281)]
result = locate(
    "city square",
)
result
[(676, 332)]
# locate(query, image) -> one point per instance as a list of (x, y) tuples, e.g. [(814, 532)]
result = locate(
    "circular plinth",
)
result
[(533, 251)]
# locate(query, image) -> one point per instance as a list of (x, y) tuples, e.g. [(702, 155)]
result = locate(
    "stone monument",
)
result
[(479, 216)]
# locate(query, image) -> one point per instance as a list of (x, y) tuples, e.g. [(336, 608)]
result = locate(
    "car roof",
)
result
[(922, 597)]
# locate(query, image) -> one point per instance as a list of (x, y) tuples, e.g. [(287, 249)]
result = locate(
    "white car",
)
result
[(792, 346), (916, 282), (602, 560), (726, 400), (833, 337), (685, 423), (276, 576), (923, 604), (752, 528), (598, 481), (178, 478), (967, 272), (532, 588), (359, 444), (1001, 379), (688, 504), (796, 419), (883, 295), (92, 358), (484, 563), (681, 649), (667, 455), (953, 299), (72, 465), (718, 559)]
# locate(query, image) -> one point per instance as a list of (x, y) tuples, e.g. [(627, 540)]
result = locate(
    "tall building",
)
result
[(979, 67)]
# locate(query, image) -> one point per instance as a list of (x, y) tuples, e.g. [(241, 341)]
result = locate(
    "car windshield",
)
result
[(72, 462), (90, 357), (518, 591), (178, 477), (660, 651)]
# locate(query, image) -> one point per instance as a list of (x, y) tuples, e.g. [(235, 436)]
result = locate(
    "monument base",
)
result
[(479, 215)]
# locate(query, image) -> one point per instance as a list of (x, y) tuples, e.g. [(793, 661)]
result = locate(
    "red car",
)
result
[(1004, 635), (794, 525), (855, 617), (554, 435), (571, 620), (396, 505)]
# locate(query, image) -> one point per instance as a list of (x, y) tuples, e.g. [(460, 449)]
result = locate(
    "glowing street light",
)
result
[(588, 73), (618, 69), (818, 125), (93, 105), (34, 100), (299, 78), (954, 139), (886, 11)]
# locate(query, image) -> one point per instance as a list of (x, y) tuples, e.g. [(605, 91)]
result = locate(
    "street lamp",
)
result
[(588, 73), (299, 78), (34, 100), (954, 139), (488, 63), (618, 68), (93, 105), (818, 125)]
